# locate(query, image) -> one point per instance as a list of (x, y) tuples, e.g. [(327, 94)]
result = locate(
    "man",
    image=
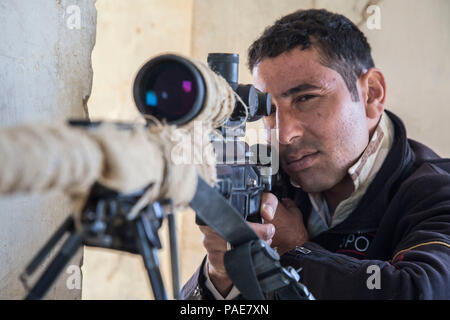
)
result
[(369, 213)]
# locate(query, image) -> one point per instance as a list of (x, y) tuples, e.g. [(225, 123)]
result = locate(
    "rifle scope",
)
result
[(172, 88)]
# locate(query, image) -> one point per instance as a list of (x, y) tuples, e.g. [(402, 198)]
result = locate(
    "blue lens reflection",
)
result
[(151, 99)]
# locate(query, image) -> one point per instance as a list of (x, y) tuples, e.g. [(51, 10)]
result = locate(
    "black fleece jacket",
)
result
[(394, 245)]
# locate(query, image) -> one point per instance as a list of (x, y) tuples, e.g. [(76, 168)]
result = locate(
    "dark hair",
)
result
[(341, 45)]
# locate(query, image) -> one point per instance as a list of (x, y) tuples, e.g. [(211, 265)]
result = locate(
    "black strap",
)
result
[(243, 273), (217, 213)]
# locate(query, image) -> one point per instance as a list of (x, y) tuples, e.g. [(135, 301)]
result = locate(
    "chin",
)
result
[(312, 182)]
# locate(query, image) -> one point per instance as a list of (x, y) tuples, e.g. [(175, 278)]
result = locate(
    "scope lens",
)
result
[(169, 88)]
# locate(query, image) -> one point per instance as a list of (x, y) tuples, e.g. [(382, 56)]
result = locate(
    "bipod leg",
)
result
[(151, 262), (67, 251), (174, 256)]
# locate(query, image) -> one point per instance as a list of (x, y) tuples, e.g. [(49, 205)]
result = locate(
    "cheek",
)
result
[(350, 136), (321, 125), (340, 126)]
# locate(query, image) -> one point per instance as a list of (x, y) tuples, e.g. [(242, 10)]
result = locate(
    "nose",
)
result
[(289, 127)]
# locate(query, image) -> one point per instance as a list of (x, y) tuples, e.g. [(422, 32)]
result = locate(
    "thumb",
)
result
[(269, 203)]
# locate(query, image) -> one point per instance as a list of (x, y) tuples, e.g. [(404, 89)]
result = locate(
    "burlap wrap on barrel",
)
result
[(42, 158)]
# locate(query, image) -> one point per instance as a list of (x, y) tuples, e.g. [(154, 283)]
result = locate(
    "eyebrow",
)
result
[(299, 88)]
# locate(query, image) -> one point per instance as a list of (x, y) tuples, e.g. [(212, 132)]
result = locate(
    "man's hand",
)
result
[(288, 222), (282, 228), (216, 247)]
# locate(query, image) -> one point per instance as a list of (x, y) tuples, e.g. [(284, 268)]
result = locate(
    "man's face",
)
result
[(322, 132)]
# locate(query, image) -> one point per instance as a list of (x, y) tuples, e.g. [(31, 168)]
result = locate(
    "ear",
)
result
[(373, 89)]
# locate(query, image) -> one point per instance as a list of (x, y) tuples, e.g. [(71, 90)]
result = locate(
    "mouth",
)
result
[(301, 161)]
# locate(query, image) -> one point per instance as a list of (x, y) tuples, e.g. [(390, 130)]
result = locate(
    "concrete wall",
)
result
[(411, 48), (45, 75)]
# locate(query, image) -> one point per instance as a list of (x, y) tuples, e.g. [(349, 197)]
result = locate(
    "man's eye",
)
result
[(304, 98)]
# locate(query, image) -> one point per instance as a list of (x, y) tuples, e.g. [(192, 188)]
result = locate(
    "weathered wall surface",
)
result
[(45, 76), (412, 48), (231, 26)]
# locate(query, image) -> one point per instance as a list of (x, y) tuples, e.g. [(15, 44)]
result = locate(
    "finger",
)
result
[(212, 241), (206, 230), (264, 231), (269, 203), (214, 244), (216, 262)]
